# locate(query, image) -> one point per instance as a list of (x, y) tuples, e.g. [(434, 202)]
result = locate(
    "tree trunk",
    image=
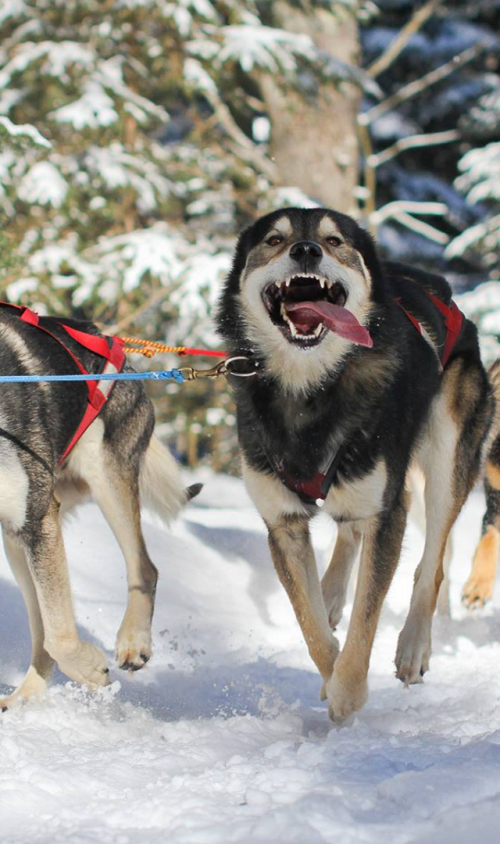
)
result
[(314, 141)]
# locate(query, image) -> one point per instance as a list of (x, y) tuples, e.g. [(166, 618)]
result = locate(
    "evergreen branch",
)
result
[(23, 133), (412, 142), (471, 236), (419, 85), (397, 46)]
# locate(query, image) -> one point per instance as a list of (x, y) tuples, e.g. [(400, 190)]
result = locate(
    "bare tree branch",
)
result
[(247, 148), (422, 228), (415, 23), (414, 88), (411, 142), (406, 206)]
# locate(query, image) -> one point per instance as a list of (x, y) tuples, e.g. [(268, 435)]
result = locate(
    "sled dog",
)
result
[(478, 589), (117, 461), (360, 369)]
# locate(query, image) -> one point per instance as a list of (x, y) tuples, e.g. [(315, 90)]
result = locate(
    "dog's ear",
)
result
[(367, 248), (244, 243), (227, 311)]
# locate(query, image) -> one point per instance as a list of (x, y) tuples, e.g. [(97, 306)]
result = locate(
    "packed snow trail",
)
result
[(222, 737)]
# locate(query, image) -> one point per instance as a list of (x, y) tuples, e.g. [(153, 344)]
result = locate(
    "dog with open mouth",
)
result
[(360, 368)]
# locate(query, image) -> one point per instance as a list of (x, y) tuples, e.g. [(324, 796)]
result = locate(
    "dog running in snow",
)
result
[(360, 369), (478, 589), (117, 461)]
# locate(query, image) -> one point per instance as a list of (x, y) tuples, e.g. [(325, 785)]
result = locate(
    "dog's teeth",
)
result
[(322, 282), (329, 284), (318, 330), (293, 330)]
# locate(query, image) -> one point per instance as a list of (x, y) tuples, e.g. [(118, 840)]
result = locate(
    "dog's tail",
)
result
[(160, 482)]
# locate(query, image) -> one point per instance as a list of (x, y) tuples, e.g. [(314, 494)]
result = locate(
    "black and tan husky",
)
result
[(117, 461), (361, 368)]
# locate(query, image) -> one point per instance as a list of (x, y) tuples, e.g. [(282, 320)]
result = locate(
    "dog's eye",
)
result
[(333, 240), (275, 240)]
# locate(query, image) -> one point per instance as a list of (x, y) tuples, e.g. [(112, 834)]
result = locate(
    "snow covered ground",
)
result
[(222, 737)]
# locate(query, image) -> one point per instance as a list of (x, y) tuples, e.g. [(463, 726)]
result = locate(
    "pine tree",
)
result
[(158, 127)]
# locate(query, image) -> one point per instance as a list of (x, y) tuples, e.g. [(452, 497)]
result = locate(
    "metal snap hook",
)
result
[(229, 361)]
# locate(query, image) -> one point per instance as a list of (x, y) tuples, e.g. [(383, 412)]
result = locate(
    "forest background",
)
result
[(137, 137)]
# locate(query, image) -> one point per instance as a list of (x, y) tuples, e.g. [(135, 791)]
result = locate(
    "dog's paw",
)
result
[(345, 696), (477, 591), (412, 655), (133, 649), (335, 612), (84, 663), (32, 686)]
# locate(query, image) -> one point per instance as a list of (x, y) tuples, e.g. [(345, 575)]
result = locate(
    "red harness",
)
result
[(316, 489), (98, 392), (453, 320)]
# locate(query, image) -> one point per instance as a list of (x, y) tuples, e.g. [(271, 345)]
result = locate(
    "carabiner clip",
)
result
[(192, 374)]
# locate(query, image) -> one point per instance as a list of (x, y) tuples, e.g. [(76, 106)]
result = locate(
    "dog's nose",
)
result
[(306, 249)]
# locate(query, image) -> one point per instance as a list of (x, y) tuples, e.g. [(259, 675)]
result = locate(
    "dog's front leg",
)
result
[(347, 689), (293, 557), (81, 661), (336, 578)]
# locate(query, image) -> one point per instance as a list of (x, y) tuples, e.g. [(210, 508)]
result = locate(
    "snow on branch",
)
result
[(482, 306), (487, 232), (412, 142), (22, 132), (269, 49), (401, 211), (481, 173), (392, 209), (53, 58)]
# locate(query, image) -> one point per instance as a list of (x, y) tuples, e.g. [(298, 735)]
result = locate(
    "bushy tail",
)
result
[(160, 482)]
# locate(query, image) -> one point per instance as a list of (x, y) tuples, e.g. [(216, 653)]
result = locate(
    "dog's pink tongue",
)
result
[(307, 315)]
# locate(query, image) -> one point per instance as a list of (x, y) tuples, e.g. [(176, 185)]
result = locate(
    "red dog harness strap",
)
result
[(98, 392), (453, 320)]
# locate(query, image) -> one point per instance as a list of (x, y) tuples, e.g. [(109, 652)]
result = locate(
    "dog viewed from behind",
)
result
[(361, 368), (117, 461)]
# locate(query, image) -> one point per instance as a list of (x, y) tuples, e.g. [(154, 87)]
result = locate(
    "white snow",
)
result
[(23, 130), (93, 109), (222, 737), (43, 184), (264, 47)]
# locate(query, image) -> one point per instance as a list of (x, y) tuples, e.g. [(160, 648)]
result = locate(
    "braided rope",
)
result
[(149, 347)]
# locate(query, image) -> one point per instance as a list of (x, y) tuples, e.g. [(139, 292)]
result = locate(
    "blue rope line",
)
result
[(159, 375)]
